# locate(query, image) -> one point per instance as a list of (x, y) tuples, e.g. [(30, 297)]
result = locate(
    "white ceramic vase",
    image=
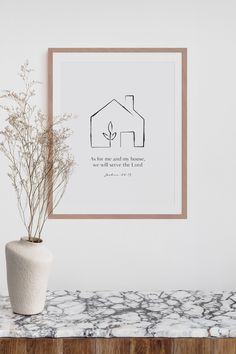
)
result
[(28, 267)]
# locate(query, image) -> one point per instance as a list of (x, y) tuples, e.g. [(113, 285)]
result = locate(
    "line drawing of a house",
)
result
[(114, 123)]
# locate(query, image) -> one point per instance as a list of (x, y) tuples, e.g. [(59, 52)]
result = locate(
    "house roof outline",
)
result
[(121, 105)]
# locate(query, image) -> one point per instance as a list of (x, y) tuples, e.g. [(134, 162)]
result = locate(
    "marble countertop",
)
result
[(126, 314)]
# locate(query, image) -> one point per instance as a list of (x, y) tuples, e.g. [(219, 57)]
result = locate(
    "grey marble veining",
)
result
[(126, 314)]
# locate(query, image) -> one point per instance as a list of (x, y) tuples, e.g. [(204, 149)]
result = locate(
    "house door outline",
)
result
[(125, 133)]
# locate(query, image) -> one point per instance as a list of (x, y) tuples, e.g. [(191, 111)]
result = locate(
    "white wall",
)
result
[(141, 254)]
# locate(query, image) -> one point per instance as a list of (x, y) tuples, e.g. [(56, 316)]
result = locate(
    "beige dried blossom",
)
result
[(39, 157)]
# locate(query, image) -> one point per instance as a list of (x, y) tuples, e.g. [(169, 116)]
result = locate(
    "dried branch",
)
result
[(37, 153)]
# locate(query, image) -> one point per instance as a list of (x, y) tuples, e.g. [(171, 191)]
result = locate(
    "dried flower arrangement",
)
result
[(37, 152)]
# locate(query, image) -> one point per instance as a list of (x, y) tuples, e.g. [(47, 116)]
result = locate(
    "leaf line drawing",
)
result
[(111, 135)]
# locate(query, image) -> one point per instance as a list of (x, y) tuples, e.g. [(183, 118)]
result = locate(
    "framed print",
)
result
[(129, 108)]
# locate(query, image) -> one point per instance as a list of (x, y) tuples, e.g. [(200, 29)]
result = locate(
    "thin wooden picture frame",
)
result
[(52, 52)]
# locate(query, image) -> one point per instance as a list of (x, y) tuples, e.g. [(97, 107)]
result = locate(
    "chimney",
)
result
[(129, 102)]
